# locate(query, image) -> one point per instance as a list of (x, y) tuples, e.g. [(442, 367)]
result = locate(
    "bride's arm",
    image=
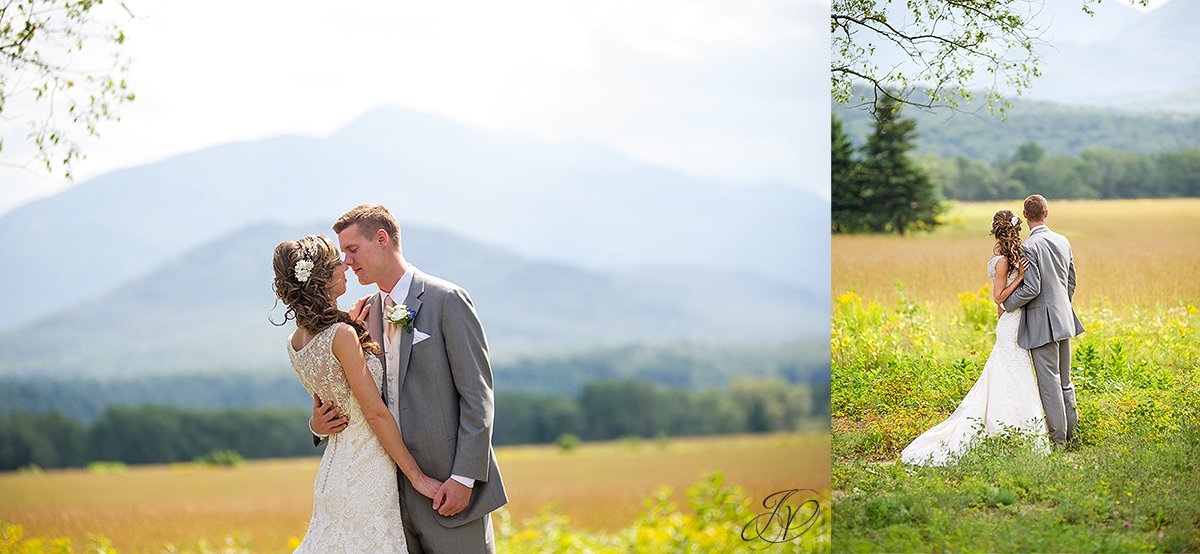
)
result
[(349, 353), (1000, 292)]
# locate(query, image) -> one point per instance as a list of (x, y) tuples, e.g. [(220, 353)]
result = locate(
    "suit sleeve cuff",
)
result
[(466, 481)]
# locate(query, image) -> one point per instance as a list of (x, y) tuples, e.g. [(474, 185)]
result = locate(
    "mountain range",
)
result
[(164, 268), (575, 204), (209, 310)]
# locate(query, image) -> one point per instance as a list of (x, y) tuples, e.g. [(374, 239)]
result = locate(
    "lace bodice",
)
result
[(356, 502), (320, 372), (1012, 272)]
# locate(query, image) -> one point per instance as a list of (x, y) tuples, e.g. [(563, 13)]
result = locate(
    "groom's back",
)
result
[(1052, 254), (1055, 259)]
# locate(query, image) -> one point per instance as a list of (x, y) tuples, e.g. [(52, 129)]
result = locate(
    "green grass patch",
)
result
[(1003, 497)]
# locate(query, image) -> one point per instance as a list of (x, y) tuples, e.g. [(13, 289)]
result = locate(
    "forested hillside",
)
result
[(975, 134)]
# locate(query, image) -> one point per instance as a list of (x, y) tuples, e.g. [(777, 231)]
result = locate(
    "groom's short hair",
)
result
[(370, 218), (1035, 207)]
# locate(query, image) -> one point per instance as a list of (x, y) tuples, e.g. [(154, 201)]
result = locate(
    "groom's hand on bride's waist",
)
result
[(327, 418), (452, 498)]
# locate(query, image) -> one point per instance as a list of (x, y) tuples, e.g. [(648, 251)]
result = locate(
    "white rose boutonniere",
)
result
[(400, 315)]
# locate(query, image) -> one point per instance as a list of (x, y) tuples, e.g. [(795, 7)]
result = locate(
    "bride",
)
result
[(1005, 398), (356, 506)]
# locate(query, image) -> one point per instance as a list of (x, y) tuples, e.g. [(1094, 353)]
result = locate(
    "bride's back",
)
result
[(321, 373)]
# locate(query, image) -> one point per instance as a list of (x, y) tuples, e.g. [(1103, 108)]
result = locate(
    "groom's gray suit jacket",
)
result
[(445, 393), (1046, 292)]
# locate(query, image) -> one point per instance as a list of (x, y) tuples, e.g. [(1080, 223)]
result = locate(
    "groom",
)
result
[(1048, 322), (437, 384)]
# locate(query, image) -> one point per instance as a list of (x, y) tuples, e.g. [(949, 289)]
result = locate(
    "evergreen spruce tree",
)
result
[(846, 204), (898, 196)]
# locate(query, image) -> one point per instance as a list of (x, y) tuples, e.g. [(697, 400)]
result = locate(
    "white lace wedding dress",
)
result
[(356, 503), (1004, 398)]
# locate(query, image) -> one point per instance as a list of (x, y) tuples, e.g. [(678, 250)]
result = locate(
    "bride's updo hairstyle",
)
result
[(1008, 237), (303, 269)]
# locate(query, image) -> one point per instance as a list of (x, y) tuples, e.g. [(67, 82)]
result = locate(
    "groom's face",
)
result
[(365, 255)]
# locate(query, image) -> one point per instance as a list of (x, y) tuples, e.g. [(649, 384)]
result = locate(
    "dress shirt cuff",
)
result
[(315, 434), (466, 481)]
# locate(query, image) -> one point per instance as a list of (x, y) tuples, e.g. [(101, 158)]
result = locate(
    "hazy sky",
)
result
[(1154, 4), (734, 91)]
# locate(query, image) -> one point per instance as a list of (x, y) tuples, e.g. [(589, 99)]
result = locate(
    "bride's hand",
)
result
[(1022, 266), (427, 486), (360, 309)]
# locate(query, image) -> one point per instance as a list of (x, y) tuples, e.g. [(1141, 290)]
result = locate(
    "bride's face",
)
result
[(337, 283)]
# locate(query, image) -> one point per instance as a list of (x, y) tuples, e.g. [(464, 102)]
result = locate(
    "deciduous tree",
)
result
[(935, 52), (62, 75)]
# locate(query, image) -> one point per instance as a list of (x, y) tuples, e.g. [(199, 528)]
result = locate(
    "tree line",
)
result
[(1093, 174), (150, 434), (1059, 128), (689, 366), (602, 410), (631, 408)]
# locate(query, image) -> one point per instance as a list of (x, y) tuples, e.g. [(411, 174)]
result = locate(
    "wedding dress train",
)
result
[(1004, 398)]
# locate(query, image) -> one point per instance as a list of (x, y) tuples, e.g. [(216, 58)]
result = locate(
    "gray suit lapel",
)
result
[(413, 302), (375, 318)]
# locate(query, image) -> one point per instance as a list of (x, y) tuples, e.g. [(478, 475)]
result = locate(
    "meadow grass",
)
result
[(1127, 252), (595, 495), (905, 355)]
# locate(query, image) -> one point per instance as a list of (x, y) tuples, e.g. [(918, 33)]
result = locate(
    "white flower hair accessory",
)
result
[(1015, 220), (303, 270)]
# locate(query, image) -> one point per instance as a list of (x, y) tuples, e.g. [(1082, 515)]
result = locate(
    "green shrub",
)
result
[(220, 458), (567, 443), (105, 467)]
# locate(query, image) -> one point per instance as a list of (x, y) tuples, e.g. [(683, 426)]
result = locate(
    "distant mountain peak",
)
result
[(573, 203), (400, 120)]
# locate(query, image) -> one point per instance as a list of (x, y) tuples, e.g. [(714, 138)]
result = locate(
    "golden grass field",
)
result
[(1130, 252), (598, 486)]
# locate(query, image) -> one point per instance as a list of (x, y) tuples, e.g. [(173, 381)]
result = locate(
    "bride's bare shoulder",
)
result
[(998, 265)]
